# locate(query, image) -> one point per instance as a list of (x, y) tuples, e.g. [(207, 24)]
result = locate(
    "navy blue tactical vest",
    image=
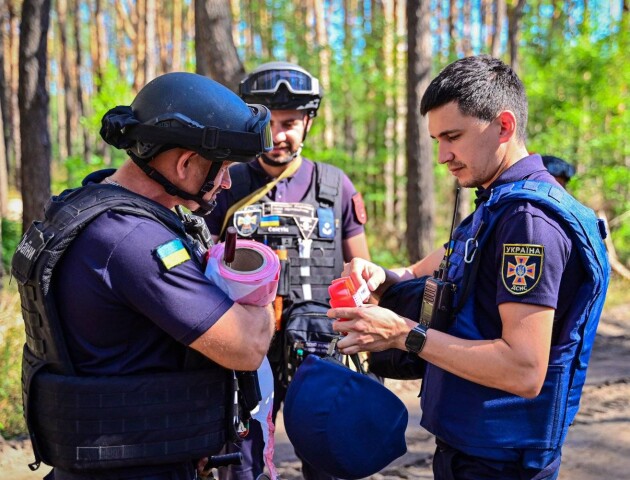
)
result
[(325, 261), (491, 423), (84, 423)]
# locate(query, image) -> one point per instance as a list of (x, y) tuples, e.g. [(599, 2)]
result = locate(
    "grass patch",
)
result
[(11, 341)]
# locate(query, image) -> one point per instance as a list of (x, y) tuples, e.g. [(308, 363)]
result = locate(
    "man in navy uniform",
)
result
[(131, 351), (505, 372), (308, 211)]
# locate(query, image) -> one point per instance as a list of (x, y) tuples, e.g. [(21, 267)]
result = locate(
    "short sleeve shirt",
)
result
[(292, 189), (123, 310), (561, 270)]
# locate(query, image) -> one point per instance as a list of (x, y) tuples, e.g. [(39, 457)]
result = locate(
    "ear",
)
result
[(184, 163), (507, 125), (308, 123)]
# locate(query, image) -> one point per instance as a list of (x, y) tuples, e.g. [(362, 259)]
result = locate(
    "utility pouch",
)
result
[(307, 331), (248, 389)]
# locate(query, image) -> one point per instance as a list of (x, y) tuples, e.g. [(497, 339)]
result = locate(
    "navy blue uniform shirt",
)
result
[(122, 309), (523, 223)]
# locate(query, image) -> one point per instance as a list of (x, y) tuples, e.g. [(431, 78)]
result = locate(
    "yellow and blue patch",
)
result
[(522, 267), (172, 253), (270, 221)]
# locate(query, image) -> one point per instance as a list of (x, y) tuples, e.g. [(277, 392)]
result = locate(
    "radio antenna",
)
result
[(449, 248)]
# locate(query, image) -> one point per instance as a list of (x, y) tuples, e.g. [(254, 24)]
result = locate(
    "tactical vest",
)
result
[(285, 226), (495, 424), (87, 423)]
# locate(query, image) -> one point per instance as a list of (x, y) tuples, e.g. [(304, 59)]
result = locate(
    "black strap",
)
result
[(208, 139)]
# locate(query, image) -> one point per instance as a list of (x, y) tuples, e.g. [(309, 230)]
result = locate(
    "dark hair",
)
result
[(482, 86)]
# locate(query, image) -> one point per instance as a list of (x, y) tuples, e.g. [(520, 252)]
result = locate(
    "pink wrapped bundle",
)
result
[(251, 278)]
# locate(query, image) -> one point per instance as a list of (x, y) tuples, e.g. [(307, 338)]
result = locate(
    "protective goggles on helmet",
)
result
[(212, 143), (269, 81)]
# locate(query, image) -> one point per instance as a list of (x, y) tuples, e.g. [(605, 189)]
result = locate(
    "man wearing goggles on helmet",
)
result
[(123, 324), (309, 212)]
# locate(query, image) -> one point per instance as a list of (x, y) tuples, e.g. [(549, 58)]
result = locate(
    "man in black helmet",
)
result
[(309, 212), (130, 355)]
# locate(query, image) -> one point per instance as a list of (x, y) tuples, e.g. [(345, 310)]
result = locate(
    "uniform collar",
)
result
[(524, 168), (98, 176)]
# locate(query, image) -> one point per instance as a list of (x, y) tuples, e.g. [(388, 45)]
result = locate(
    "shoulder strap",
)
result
[(261, 192), (329, 180)]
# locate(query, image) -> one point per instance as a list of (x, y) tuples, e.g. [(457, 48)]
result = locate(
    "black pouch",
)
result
[(307, 331), (405, 299)]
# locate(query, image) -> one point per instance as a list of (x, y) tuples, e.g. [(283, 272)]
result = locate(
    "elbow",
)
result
[(254, 357), (528, 385)]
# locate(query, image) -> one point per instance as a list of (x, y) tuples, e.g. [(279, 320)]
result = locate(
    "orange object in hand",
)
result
[(346, 292)]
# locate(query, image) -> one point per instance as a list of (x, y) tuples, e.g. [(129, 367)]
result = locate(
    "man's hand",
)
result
[(364, 271), (370, 329)]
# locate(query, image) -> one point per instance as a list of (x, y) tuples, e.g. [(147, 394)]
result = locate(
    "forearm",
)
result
[(492, 363), (240, 338)]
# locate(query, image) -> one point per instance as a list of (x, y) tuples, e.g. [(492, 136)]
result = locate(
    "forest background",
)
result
[(64, 63)]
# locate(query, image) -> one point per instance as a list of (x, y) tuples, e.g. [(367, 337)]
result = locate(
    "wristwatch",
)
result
[(416, 338)]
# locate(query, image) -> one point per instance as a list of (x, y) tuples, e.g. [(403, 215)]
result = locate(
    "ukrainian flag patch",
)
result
[(172, 253)]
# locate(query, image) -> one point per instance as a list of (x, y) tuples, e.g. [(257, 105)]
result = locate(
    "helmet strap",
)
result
[(205, 207)]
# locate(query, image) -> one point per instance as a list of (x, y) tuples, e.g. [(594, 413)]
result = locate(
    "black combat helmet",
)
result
[(282, 86), (186, 110), (191, 111)]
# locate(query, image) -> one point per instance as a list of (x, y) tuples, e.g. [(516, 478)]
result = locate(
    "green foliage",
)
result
[(578, 84), (381, 254), (113, 91), (11, 234), (76, 169), (607, 189)]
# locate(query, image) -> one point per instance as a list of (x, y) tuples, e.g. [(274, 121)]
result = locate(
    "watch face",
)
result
[(415, 339)]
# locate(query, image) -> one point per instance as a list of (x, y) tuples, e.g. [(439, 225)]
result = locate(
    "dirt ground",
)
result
[(597, 447)]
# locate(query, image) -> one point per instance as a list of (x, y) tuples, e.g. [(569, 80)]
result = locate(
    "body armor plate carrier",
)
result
[(84, 423)]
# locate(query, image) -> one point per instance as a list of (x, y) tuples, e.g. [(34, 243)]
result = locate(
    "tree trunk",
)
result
[(214, 46), (80, 92), (150, 68), (499, 20), (177, 36), (324, 72), (420, 206), (70, 104), (390, 133), (350, 135), (14, 128), (4, 165), (401, 116), (141, 46), (515, 14), (33, 101)]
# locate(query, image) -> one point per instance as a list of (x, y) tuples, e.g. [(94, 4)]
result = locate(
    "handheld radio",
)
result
[(437, 301)]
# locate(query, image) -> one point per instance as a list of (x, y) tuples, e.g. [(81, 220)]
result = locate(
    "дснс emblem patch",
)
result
[(522, 267)]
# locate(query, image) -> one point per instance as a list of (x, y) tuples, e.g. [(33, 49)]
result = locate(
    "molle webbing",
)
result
[(90, 423)]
